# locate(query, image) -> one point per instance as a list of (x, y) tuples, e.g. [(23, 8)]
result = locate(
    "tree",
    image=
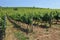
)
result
[(57, 17), (50, 18), (15, 9), (30, 21), (47, 19), (37, 17)]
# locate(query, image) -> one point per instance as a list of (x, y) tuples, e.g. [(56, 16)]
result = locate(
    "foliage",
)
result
[(30, 14), (20, 36)]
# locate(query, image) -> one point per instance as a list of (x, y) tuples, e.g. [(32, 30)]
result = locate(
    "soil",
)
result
[(38, 33)]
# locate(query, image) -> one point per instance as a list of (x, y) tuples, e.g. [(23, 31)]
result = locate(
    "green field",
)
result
[(30, 16)]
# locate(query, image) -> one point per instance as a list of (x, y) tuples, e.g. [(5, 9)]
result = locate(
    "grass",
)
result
[(19, 36)]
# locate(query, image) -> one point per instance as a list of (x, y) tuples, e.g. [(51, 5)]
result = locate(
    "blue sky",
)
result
[(31, 3)]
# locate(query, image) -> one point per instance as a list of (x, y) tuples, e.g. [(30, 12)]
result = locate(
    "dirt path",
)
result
[(9, 35)]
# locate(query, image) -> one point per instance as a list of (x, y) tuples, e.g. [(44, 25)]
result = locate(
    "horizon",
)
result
[(28, 7)]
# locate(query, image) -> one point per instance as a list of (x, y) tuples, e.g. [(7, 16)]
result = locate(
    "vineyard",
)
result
[(31, 21), (2, 26)]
